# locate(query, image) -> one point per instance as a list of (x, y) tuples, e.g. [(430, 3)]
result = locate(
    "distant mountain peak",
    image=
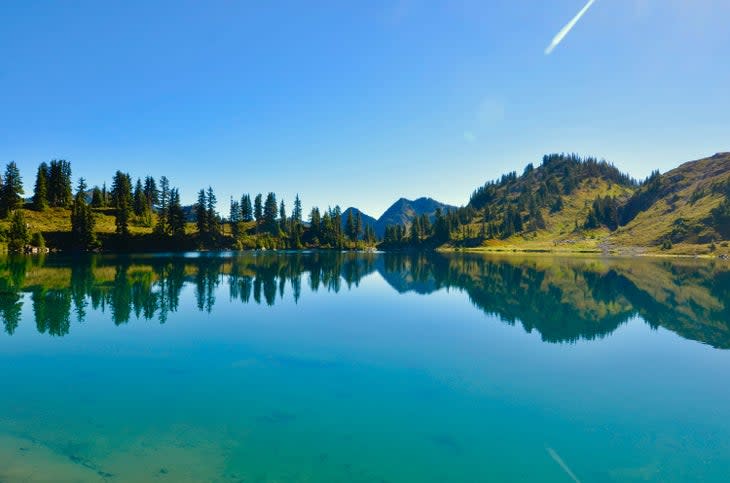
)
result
[(403, 211)]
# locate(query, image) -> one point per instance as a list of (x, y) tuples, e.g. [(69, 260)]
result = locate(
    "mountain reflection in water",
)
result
[(563, 299)]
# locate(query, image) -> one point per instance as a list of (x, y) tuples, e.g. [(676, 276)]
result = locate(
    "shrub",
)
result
[(37, 240)]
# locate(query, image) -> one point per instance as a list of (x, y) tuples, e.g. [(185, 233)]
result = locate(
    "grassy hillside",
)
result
[(54, 220), (55, 226), (568, 204), (678, 206), (545, 208), (563, 230)]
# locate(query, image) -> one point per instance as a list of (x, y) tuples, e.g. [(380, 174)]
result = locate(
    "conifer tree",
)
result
[(358, 225), (296, 213), (211, 214), (121, 194), (140, 200), (591, 220), (258, 210), (315, 224), (59, 183), (415, 231), (82, 221), (350, 226), (442, 231), (40, 192), (97, 198), (201, 213), (175, 214), (282, 217), (297, 228), (234, 212), (246, 209), (151, 192), (234, 217), (11, 191), (425, 225), (163, 204), (369, 234), (336, 236), (105, 195), (18, 234), (269, 214)]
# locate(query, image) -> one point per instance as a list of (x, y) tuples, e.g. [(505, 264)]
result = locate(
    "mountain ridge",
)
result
[(586, 204), (402, 212)]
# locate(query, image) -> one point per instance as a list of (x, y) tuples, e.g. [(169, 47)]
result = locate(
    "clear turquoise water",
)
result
[(395, 369)]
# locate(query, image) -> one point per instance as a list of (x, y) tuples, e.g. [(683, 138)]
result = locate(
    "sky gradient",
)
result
[(358, 103)]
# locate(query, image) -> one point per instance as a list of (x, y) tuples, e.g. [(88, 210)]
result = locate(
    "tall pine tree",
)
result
[(269, 214), (40, 192), (246, 208), (258, 210), (163, 204), (122, 202), (82, 221), (11, 191), (211, 214), (59, 183), (201, 213), (175, 215)]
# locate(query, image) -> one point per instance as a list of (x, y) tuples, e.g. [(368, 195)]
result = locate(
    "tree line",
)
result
[(152, 204)]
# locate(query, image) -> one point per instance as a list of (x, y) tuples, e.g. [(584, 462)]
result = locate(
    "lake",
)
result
[(332, 367)]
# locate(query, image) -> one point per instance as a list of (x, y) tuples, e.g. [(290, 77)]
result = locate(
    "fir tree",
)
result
[(82, 221), (105, 195), (234, 217), (358, 225), (201, 213), (140, 200), (18, 234), (163, 210), (296, 213), (175, 214), (415, 231), (269, 214), (591, 220), (59, 183), (122, 201), (425, 225), (350, 226), (282, 218), (151, 192), (246, 209), (11, 191), (40, 192), (258, 209), (442, 231), (211, 214), (97, 198), (315, 225), (296, 222)]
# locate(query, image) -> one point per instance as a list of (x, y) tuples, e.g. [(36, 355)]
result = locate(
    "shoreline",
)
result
[(628, 253), (587, 253)]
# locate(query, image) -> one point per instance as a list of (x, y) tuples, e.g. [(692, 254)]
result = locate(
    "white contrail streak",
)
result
[(568, 27), (555, 456)]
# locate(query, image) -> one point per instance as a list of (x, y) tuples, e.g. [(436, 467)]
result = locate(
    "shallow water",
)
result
[(321, 367)]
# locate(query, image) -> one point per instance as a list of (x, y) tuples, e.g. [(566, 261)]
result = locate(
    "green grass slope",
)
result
[(678, 206)]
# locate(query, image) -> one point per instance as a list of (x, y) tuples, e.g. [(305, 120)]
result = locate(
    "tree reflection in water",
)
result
[(563, 299)]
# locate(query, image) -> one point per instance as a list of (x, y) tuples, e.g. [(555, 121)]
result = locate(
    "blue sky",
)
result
[(358, 103)]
